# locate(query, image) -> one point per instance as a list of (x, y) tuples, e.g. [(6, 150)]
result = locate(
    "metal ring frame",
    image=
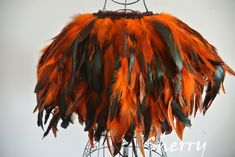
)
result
[(125, 4), (101, 149)]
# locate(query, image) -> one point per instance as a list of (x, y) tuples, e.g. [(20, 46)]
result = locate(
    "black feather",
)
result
[(219, 78), (81, 56), (133, 38), (95, 71), (177, 111), (134, 148), (48, 112), (113, 107), (158, 79), (139, 113), (147, 123), (211, 92), (74, 57), (98, 132), (165, 127), (53, 123), (61, 62), (169, 75), (82, 35), (117, 147), (62, 106), (158, 65), (143, 105), (65, 122), (168, 37), (39, 102), (90, 115), (130, 134), (40, 116), (38, 87)]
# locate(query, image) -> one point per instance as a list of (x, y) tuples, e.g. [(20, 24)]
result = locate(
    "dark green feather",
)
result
[(131, 61), (194, 56), (178, 83), (149, 79), (117, 63)]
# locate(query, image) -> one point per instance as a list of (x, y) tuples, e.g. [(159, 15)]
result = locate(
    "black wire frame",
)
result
[(101, 149), (125, 4)]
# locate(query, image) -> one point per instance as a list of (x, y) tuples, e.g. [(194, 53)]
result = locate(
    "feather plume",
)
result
[(127, 75)]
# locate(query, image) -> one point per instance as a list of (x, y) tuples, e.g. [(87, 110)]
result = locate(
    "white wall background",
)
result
[(27, 25)]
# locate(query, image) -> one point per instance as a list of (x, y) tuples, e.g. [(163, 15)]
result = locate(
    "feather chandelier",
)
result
[(127, 74)]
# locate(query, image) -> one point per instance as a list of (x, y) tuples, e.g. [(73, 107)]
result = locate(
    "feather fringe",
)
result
[(127, 76)]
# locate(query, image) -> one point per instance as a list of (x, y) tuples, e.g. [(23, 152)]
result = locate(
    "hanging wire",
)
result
[(145, 6), (105, 3), (125, 4)]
